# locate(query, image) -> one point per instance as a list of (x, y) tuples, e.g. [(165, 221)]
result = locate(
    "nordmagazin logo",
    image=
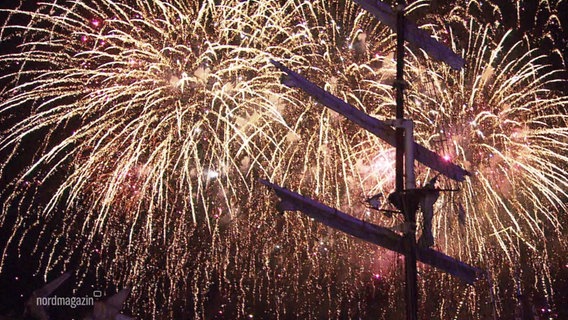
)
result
[(72, 302)]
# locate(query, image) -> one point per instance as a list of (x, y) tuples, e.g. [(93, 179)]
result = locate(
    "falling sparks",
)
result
[(133, 135)]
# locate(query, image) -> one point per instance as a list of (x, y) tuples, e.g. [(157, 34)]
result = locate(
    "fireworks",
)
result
[(150, 123), (507, 128)]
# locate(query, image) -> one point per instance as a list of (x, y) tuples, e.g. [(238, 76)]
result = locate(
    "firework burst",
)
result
[(150, 122), (508, 129)]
